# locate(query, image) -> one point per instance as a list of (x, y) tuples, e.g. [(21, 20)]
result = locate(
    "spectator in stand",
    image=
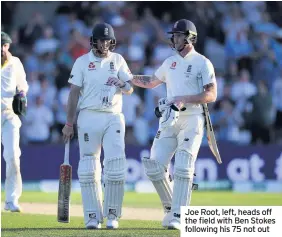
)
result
[(33, 30), (261, 114), (266, 65), (141, 128), (242, 89), (277, 101), (39, 119), (129, 108), (47, 92), (61, 110), (78, 44), (46, 44)]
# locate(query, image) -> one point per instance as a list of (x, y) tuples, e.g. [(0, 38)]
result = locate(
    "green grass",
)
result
[(24, 225), (151, 200)]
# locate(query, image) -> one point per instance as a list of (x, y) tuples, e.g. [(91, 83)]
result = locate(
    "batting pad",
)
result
[(114, 173), (89, 174), (159, 177), (183, 178)]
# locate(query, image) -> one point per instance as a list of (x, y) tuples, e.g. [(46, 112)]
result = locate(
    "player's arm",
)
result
[(127, 88), (22, 85), (207, 96), (72, 104), (146, 81)]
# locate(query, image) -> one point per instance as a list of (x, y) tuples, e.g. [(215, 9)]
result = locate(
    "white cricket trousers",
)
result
[(10, 134)]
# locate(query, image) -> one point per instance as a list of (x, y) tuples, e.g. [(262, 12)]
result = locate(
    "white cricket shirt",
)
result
[(12, 77), (91, 74), (180, 75)]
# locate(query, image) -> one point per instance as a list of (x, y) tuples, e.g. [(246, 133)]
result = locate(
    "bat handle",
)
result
[(67, 153)]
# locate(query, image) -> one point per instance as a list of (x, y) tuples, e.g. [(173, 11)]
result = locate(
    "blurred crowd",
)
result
[(242, 39)]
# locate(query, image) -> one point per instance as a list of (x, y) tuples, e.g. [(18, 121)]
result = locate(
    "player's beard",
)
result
[(103, 51), (179, 47)]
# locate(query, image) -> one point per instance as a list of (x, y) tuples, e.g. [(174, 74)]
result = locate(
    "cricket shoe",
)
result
[(112, 222), (167, 219), (93, 224), (174, 225), (12, 206)]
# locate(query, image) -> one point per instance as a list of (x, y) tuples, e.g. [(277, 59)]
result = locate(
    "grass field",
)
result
[(151, 200), (26, 225)]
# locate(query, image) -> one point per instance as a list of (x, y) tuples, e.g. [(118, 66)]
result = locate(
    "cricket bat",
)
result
[(209, 128), (63, 213), (210, 134)]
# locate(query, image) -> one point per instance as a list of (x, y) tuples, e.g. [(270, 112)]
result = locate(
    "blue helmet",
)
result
[(103, 31), (186, 27)]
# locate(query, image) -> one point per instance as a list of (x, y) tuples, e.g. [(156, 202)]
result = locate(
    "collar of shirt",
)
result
[(93, 58), (189, 54), (5, 64)]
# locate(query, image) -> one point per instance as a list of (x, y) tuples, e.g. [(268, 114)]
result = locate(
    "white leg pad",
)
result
[(114, 174), (13, 183), (89, 174), (159, 176), (183, 178)]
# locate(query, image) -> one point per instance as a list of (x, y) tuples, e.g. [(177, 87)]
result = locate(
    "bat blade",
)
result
[(210, 135), (63, 214)]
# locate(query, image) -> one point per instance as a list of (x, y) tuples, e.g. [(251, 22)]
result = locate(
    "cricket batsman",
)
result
[(181, 124), (100, 124), (13, 103)]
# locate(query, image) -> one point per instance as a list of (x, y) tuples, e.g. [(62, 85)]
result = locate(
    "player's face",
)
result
[(5, 49), (179, 40), (103, 46)]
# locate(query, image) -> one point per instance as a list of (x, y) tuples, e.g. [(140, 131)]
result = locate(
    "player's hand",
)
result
[(177, 101), (115, 81), (67, 133)]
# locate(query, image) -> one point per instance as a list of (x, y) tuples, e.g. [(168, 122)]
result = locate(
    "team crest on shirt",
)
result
[(188, 71), (91, 66), (173, 65), (112, 68)]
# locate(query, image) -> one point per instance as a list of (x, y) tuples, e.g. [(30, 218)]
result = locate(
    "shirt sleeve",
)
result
[(21, 77), (208, 74), (76, 76), (124, 72), (161, 73)]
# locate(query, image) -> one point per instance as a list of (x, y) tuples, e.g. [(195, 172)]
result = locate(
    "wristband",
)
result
[(126, 87), (69, 125)]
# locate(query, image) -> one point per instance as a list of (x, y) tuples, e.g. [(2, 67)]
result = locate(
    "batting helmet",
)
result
[(103, 31), (186, 27)]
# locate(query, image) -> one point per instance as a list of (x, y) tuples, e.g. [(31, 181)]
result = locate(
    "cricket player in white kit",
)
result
[(180, 130), (13, 81), (100, 123)]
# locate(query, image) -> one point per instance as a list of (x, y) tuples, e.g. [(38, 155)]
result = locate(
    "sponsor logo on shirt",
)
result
[(173, 65), (91, 66)]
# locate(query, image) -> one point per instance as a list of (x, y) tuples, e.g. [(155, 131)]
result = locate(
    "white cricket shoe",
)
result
[(112, 222), (167, 219), (174, 224), (13, 207), (93, 224)]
